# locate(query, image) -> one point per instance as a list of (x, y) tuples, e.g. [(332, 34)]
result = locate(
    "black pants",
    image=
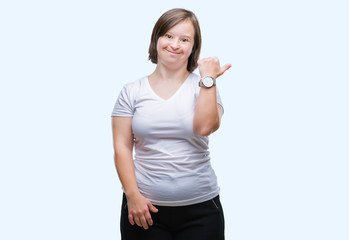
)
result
[(204, 221)]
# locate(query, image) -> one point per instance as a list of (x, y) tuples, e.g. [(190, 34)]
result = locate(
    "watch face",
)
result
[(207, 81)]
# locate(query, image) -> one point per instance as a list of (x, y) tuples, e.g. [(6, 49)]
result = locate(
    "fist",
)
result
[(211, 67)]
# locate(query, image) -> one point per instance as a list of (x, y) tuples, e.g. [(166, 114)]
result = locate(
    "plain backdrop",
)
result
[(281, 154)]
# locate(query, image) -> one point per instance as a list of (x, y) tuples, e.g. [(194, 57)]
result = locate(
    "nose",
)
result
[(174, 44)]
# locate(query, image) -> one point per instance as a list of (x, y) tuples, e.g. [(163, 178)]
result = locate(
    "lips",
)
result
[(172, 52)]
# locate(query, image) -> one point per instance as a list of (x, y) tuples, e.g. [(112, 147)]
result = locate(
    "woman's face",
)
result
[(174, 48)]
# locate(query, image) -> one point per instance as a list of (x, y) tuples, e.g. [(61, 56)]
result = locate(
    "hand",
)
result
[(138, 211), (211, 67)]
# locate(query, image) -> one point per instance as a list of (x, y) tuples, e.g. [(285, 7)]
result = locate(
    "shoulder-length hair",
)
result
[(167, 21)]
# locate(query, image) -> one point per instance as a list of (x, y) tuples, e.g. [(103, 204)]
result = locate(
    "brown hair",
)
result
[(167, 21)]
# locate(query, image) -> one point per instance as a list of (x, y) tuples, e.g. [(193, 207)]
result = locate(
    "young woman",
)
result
[(170, 188)]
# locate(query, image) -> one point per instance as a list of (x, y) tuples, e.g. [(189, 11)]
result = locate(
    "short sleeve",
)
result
[(124, 104)]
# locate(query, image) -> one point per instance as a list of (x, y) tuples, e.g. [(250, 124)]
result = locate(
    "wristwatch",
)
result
[(207, 82)]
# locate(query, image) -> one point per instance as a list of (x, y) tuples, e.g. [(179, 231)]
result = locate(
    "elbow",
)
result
[(205, 128), (202, 132), (205, 131)]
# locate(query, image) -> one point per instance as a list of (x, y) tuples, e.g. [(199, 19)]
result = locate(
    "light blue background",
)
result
[(281, 154)]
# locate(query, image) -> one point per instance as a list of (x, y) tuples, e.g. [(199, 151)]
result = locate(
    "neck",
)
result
[(165, 74)]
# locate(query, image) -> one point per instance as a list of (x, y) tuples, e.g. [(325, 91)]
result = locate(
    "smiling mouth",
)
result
[(172, 52)]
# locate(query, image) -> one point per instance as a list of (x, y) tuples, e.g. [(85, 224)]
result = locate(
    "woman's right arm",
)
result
[(138, 206)]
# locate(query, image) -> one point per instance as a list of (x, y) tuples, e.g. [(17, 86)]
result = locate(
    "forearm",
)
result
[(126, 171), (123, 153), (207, 113), (206, 117)]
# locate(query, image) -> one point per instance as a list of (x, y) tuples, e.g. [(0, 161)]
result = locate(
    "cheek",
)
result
[(190, 49), (161, 43), (158, 47)]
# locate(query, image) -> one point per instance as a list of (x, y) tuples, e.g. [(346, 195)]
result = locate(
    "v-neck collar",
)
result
[(173, 95)]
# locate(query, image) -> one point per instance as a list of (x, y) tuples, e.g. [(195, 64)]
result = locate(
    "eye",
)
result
[(168, 36), (185, 40)]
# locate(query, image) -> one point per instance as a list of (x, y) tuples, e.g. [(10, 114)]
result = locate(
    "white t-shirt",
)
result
[(172, 163)]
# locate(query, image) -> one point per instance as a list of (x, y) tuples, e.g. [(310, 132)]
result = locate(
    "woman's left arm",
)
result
[(208, 112)]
